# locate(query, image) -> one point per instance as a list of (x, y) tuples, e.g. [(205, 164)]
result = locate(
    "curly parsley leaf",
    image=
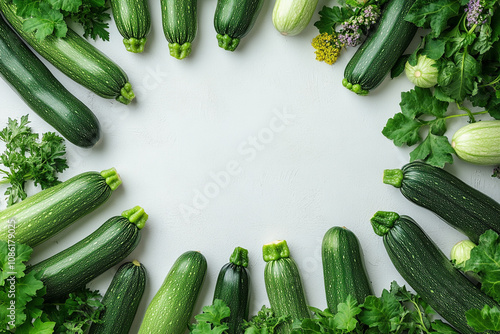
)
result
[(26, 157), (210, 321), (487, 319), (264, 322)]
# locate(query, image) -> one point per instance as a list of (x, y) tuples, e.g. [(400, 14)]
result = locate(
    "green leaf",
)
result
[(345, 318), (215, 313), (48, 22), (402, 130), (383, 313), (37, 327), (330, 17), (14, 255), (66, 5), (420, 101), (457, 79), (440, 327), (433, 14), (434, 48), (487, 319), (435, 150)]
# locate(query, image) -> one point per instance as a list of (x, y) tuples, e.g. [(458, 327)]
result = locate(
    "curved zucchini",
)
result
[(428, 271), (464, 208), (283, 284), (343, 268), (171, 308), (233, 287), (133, 20), (478, 143), (179, 20), (44, 214), (290, 17), (76, 58), (381, 49), (233, 19), (43, 93), (121, 300), (77, 265)]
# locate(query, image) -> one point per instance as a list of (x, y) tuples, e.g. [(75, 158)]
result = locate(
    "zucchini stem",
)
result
[(394, 177), (127, 94), (113, 179), (134, 45), (136, 216), (239, 257), (275, 250), (228, 43), (383, 221), (179, 51)]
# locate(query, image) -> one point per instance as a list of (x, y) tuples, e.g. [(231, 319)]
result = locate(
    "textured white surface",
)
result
[(239, 149)]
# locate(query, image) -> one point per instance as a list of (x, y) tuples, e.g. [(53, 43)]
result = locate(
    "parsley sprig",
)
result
[(26, 157), (49, 17), (463, 38)]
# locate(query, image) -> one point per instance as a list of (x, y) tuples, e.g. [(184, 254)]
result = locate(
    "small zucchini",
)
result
[(428, 271), (44, 214), (121, 300), (233, 20), (77, 265), (77, 58), (291, 17), (463, 207), (381, 49), (43, 93), (180, 24), (171, 308), (283, 284), (343, 268), (233, 287), (478, 143), (133, 20)]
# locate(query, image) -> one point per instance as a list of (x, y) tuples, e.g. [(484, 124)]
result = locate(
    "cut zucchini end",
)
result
[(135, 45), (394, 177), (239, 257), (136, 216), (227, 42), (383, 221), (275, 250), (126, 94), (112, 177)]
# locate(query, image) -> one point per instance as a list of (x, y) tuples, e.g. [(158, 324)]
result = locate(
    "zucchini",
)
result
[(283, 284), (290, 17), (428, 271), (233, 287), (171, 308), (76, 58), (384, 44), (343, 268), (478, 143), (179, 20), (122, 299), (233, 20), (463, 207), (43, 93), (44, 214), (133, 20), (77, 265)]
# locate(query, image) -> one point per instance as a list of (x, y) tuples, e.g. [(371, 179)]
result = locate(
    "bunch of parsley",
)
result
[(27, 157), (467, 53), (22, 307), (49, 17)]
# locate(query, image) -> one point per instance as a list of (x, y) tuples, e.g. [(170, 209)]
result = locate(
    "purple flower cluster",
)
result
[(475, 15), (350, 31)]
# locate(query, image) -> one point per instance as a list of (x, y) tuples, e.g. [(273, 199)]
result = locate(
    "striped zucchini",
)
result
[(463, 207), (76, 58), (180, 23), (233, 287), (79, 264), (122, 298), (133, 20), (41, 216), (428, 271), (43, 93), (283, 284), (233, 20), (291, 17), (343, 268), (478, 143), (171, 308)]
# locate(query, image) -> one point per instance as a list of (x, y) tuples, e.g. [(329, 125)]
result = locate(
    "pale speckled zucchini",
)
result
[(77, 58), (44, 214), (291, 17), (77, 265)]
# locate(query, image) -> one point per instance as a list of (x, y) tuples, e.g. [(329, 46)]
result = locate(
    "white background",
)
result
[(197, 118)]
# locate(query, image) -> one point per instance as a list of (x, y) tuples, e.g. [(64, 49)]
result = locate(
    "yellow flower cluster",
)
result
[(327, 47)]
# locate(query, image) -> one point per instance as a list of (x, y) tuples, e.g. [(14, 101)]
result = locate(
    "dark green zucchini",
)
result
[(463, 207), (343, 268), (171, 308), (384, 44), (233, 19), (428, 271), (44, 214), (43, 93), (77, 58), (283, 284), (180, 23), (77, 265), (121, 300), (233, 287), (133, 20)]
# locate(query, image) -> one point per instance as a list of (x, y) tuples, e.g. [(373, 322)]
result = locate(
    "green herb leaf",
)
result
[(345, 318), (264, 322), (433, 14), (330, 17), (383, 313), (487, 319)]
